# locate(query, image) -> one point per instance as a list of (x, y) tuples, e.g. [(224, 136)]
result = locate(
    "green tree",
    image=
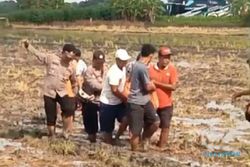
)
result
[(152, 8), (138, 9), (40, 4), (56, 4), (240, 7)]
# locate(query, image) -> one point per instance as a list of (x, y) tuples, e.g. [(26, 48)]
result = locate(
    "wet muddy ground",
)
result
[(204, 122)]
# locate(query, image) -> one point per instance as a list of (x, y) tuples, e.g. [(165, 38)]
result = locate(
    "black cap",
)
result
[(248, 61), (69, 48), (98, 54)]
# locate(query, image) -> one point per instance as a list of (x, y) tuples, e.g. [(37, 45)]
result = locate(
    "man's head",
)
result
[(164, 56), (98, 58), (122, 58), (248, 61), (247, 113), (147, 52), (77, 53), (68, 52)]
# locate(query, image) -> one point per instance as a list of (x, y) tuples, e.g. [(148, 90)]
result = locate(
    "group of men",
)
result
[(122, 92)]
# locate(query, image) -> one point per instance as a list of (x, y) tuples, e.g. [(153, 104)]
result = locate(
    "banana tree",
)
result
[(138, 9), (240, 7), (120, 7), (152, 8)]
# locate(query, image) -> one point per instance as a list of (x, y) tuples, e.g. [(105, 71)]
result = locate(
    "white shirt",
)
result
[(81, 67), (115, 76)]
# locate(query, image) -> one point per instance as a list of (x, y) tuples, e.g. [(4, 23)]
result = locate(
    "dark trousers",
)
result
[(68, 107), (90, 117)]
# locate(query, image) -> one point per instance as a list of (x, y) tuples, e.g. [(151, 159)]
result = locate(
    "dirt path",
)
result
[(137, 29)]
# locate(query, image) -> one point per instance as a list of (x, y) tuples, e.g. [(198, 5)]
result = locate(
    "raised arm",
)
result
[(42, 57), (239, 94)]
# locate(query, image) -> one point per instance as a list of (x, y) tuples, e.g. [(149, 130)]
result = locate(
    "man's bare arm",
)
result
[(150, 87), (42, 57), (239, 94), (170, 87), (117, 93), (80, 81)]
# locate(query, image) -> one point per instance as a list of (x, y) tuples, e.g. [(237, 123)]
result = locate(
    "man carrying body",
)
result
[(58, 72), (164, 76), (141, 111), (93, 86), (112, 98)]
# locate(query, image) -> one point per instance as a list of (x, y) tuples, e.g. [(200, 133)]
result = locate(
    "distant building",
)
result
[(196, 7)]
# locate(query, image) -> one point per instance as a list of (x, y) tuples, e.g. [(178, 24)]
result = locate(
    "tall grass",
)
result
[(201, 21), (126, 40), (100, 12), (104, 12)]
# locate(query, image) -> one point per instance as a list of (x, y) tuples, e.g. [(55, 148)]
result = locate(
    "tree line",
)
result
[(41, 11), (48, 10)]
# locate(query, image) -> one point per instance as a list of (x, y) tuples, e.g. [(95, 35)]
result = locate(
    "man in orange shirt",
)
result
[(164, 76)]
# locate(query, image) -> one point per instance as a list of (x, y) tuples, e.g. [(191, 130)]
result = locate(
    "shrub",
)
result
[(100, 12), (202, 21)]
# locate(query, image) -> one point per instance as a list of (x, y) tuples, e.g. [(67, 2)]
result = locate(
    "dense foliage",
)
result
[(151, 11)]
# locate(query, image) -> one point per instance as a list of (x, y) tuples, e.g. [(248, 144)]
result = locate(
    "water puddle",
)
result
[(234, 112), (217, 130), (8, 143)]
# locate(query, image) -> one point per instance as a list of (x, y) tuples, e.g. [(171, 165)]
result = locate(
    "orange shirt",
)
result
[(166, 76)]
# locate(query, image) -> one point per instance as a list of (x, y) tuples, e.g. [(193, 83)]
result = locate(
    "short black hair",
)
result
[(147, 49), (69, 48), (247, 116), (77, 52), (138, 57), (248, 61)]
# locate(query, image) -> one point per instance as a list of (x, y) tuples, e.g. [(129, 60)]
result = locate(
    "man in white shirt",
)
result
[(93, 84), (112, 98), (81, 68)]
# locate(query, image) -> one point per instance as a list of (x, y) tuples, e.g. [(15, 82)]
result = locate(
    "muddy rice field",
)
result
[(205, 123)]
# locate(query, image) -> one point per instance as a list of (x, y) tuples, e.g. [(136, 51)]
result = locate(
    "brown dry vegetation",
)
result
[(211, 68), (128, 27)]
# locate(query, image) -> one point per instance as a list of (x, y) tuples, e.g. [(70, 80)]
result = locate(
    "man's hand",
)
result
[(124, 99), (117, 93), (234, 97), (242, 93), (153, 84), (150, 87), (91, 98)]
